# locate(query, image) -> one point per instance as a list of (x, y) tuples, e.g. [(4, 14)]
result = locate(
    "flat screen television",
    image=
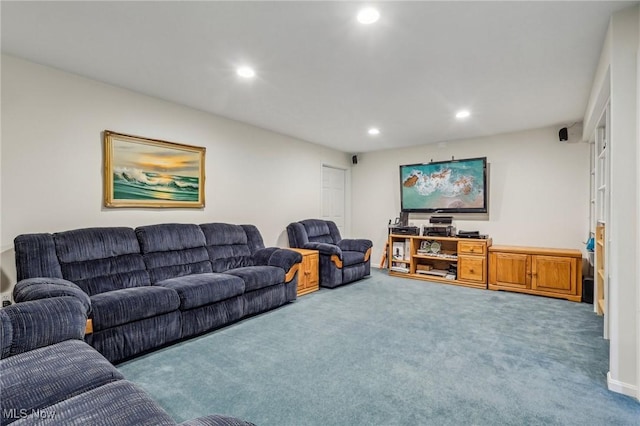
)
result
[(455, 186)]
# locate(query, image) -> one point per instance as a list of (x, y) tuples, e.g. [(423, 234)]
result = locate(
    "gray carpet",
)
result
[(394, 351)]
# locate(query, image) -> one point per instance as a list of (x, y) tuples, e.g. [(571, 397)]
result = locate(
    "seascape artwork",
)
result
[(153, 174), (450, 185)]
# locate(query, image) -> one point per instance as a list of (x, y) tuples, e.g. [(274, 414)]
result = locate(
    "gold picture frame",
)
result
[(143, 172)]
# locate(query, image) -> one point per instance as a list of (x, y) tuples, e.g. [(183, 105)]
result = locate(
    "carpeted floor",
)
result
[(394, 351)]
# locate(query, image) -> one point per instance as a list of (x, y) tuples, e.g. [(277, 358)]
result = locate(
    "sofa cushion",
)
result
[(116, 403), (133, 338), (46, 376), (318, 231), (101, 259), (227, 246), (352, 258), (312, 231), (36, 256), (212, 316), (256, 277), (173, 250), (203, 289), (264, 299), (131, 304), (353, 272), (224, 258)]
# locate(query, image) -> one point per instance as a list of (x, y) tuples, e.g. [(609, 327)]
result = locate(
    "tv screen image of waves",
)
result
[(456, 186)]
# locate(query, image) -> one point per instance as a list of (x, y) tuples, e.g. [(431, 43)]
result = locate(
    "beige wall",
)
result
[(52, 160), (623, 281), (538, 189), (618, 82), (52, 169)]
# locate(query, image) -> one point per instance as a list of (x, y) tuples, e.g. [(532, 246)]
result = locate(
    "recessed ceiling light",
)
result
[(463, 114), (373, 131), (246, 72), (368, 16)]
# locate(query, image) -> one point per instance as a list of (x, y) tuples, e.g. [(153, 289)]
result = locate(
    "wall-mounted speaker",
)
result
[(354, 159), (563, 134)]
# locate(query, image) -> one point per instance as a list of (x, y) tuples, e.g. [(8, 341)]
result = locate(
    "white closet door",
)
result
[(333, 196)]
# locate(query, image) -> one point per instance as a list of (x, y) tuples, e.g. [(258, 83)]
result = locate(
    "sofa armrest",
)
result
[(216, 420), (288, 260), (285, 259), (262, 256), (45, 288), (325, 249), (274, 256), (34, 324), (360, 245)]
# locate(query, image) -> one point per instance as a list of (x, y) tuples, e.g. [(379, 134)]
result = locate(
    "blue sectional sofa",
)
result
[(149, 286), (50, 376)]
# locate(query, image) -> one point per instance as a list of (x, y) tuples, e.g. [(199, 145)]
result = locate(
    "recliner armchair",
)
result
[(341, 260)]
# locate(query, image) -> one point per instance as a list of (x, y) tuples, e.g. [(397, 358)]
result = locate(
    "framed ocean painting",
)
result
[(142, 172)]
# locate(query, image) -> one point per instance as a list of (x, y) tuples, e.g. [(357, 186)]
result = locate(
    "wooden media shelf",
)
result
[(451, 260)]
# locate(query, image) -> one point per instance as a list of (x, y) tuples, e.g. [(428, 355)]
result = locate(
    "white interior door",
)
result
[(333, 196)]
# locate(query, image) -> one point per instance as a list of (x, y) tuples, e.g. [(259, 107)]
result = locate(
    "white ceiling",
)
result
[(325, 78)]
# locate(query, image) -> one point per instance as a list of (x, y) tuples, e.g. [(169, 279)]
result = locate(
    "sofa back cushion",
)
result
[(321, 231), (36, 257), (172, 250), (298, 237), (229, 246), (101, 259)]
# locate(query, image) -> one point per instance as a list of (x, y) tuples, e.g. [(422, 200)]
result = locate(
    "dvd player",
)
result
[(439, 231), (404, 230), (441, 220), (471, 234)]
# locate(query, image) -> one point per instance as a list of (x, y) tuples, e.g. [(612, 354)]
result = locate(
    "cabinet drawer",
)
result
[(471, 247), (471, 268)]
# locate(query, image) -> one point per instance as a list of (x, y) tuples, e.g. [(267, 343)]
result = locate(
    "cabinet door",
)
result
[(554, 274), (313, 268), (471, 268), (510, 270), (303, 274)]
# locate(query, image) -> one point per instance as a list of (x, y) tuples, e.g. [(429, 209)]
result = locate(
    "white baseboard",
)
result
[(621, 387)]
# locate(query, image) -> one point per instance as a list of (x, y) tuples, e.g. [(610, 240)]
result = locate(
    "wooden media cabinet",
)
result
[(460, 261), (309, 271), (533, 270)]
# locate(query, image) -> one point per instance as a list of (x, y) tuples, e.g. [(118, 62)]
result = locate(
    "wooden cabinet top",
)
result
[(304, 252), (438, 238), (544, 251)]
